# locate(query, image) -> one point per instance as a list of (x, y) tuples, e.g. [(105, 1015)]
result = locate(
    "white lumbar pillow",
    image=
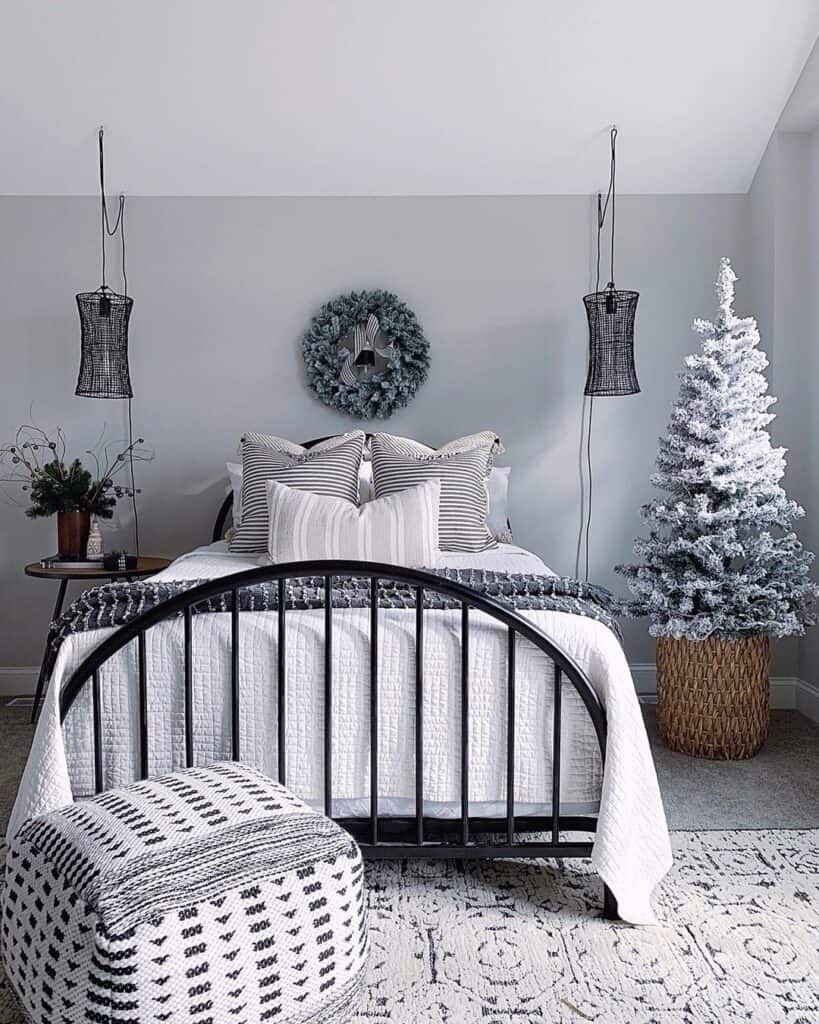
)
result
[(401, 529)]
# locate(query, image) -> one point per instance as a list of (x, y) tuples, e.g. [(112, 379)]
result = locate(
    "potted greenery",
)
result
[(37, 462), (722, 569)]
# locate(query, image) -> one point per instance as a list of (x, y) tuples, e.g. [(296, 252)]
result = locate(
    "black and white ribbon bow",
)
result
[(365, 339)]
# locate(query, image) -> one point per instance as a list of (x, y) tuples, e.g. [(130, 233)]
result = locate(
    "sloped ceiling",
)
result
[(386, 97)]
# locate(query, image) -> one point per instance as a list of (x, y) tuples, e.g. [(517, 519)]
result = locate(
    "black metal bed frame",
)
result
[(380, 836)]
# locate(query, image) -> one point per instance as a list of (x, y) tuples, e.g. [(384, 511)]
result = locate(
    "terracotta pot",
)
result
[(72, 534), (713, 695)]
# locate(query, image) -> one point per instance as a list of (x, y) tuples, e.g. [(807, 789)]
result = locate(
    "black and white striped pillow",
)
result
[(329, 467), (463, 467)]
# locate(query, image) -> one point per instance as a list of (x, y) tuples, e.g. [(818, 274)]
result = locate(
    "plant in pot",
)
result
[(722, 569), (37, 462)]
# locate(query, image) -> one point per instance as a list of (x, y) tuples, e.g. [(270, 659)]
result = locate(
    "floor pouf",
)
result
[(208, 896)]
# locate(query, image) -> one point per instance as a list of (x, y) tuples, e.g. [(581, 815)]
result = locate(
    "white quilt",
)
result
[(631, 850)]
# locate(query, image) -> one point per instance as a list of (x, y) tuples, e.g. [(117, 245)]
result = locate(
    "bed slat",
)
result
[(281, 721), (328, 696), (510, 738), (188, 658), (465, 724), (97, 723), (234, 675), (557, 714), (374, 711), (419, 715), (143, 706)]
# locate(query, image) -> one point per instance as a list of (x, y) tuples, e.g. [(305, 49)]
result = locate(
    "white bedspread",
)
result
[(631, 850)]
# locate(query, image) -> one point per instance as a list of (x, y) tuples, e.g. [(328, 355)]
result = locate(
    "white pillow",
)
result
[(366, 490), (235, 476), (498, 517), (401, 529), (234, 470)]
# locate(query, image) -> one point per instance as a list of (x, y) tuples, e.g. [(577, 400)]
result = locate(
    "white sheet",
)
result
[(631, 851)]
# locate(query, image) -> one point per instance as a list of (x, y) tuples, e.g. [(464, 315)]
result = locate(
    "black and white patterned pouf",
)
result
[(207, 896)]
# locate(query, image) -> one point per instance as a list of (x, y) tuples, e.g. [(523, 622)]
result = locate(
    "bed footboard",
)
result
[(380, 836)]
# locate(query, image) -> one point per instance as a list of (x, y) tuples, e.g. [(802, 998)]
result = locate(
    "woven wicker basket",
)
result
[(713, 695)]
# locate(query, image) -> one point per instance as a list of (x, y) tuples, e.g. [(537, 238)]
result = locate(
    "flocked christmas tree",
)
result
[(721, 556)]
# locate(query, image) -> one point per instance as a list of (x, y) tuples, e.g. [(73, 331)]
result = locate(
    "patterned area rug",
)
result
[(521, 942)]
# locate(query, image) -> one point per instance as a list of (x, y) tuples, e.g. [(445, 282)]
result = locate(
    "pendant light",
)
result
[(610, 314), (104, 319), (611, 371)]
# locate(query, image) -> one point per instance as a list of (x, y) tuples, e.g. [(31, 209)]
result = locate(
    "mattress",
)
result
[(63, 766)]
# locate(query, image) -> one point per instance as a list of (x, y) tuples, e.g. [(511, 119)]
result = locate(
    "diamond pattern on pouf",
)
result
[(208, 895)]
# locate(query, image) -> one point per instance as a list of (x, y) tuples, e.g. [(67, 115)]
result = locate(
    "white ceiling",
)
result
[(385, 97)]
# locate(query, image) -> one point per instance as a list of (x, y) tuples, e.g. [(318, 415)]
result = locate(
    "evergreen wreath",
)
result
[(380, 393)]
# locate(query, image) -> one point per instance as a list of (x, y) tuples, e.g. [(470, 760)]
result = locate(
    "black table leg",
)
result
[(38, 695)]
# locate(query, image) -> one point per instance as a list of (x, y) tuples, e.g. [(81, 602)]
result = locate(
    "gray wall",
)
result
[(785, 231), (224, 287)]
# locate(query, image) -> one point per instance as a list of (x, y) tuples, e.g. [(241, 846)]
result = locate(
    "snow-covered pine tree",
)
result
[(721, 558)]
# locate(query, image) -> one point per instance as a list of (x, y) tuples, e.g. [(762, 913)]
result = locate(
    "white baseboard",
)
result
[(807, 699), (786, 691), (644, 674), (18, 682)]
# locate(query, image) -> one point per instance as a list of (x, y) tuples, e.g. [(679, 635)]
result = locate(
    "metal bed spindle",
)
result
[(465, 724), (234, 674), (188, 670), (281, 680), (419, 715), (328, 696), (510, 738), (97, 722), (556, 715), (143, 706), (374, 711)]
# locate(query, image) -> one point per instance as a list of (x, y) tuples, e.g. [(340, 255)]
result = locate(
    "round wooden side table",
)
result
[(94, 573)]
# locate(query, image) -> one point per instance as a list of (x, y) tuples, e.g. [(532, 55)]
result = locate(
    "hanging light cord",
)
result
[(586, 506), (105, 223), (106, 229)]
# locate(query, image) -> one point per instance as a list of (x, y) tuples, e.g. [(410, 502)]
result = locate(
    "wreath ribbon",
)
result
[(364, 340)]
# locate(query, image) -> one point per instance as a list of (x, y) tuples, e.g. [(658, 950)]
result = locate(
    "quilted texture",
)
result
[(208, 895)]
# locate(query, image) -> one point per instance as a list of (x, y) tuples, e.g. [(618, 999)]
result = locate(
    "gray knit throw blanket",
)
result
[(116, 604)]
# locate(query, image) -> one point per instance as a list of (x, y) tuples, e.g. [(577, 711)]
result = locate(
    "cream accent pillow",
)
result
[(401, 529)]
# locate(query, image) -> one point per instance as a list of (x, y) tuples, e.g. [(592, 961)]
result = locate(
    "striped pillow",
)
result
[(399, 530), (462, 466), (329, 468)]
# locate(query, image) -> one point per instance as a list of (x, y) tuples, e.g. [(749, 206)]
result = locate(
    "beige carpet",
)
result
[(515, 942)]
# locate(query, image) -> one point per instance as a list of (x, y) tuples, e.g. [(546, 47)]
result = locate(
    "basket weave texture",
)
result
[(713, 695)]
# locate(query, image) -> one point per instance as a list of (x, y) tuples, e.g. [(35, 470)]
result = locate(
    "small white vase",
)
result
[(94, 549)]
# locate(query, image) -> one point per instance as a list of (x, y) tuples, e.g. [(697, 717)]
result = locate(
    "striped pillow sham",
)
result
[(400, 530), (329, 468), (462, 466)]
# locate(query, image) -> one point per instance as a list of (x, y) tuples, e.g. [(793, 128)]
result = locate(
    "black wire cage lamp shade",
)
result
[(611, 316), (104, 317)]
